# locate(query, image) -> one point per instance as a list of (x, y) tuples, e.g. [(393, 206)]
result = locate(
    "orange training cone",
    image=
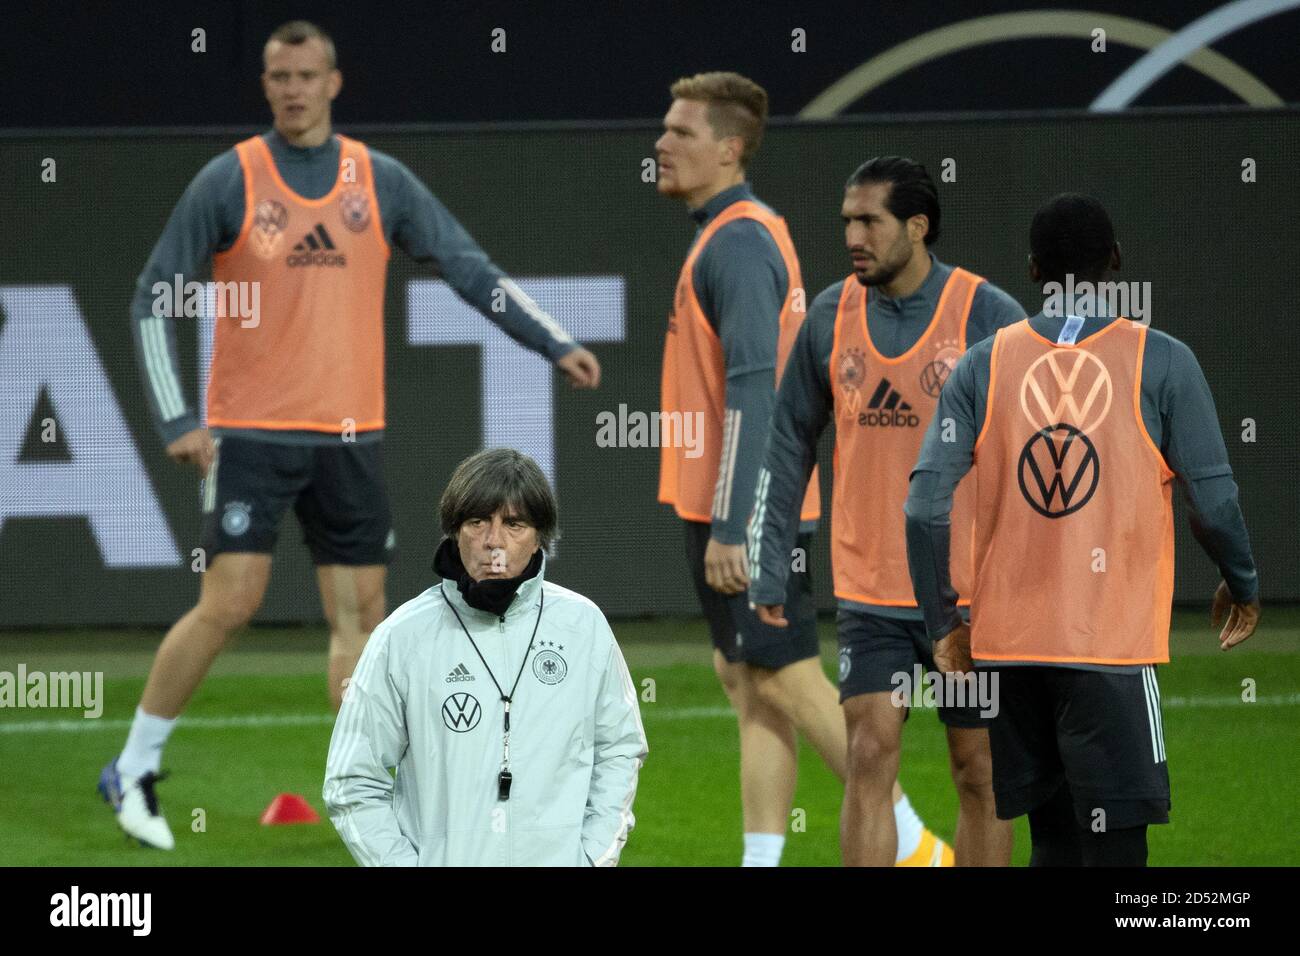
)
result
[(289, 808)]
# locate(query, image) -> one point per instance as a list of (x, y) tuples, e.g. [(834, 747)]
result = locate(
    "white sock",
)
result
[(763, 849), (144, 744), (909, 828)]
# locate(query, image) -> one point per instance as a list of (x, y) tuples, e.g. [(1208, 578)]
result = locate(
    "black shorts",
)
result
[(734, 626), (1098, 731), (875, 649), (337, 492)]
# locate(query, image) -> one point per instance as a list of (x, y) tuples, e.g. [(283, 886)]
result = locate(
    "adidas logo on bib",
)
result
[(316, 249), (887, 410)]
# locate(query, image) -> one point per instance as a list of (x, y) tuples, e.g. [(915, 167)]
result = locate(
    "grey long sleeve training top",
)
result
[(804, 406), (208, 218), (1179, 415), (741, 284)]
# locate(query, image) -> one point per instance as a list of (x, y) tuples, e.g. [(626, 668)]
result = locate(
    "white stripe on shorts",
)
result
[(1152, 695), (1160, 717), (210, 482)]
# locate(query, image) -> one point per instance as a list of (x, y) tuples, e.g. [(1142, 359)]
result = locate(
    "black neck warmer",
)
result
[(491, 594)]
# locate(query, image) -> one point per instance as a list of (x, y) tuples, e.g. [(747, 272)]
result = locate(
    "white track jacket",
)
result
[(421, 701)]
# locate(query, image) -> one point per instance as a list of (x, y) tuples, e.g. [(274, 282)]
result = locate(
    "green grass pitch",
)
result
[(260, 725)]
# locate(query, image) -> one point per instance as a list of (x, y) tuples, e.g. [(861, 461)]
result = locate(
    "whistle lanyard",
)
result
[(505, 778)]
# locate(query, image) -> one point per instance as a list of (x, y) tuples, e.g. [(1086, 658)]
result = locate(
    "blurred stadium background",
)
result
[(543, 164)]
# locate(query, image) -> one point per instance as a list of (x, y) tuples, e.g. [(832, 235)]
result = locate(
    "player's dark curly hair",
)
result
[(912, 192), (1072, 234), (499, 478)]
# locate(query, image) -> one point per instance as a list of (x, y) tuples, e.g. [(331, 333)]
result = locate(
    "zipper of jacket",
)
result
[(510, 835)]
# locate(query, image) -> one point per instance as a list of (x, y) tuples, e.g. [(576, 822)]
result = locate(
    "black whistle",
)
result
[(503, 784)]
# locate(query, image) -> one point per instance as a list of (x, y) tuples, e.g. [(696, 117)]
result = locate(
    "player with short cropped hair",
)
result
[(1078, 423), (873, 356), (295, 398)]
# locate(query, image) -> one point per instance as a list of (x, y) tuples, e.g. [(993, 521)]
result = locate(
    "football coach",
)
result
[(501, 699)]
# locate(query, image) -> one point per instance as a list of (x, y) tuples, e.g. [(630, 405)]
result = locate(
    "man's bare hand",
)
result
[(581, 368), (1242, 618), (773, 615), (952, 651), (194, 448), (725, 567)]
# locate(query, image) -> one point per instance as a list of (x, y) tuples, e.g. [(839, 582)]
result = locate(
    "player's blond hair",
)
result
[(737, 106)]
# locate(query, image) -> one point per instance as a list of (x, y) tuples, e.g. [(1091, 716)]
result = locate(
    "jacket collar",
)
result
[(524, 602)]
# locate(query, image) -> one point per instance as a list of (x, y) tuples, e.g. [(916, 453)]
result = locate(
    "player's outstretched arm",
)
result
[(427, 231), (580, 368)]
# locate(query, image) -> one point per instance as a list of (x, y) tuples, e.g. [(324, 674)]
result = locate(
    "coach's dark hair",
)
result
[(296, 32), (912, 191), (1072, 234), (496, 478)]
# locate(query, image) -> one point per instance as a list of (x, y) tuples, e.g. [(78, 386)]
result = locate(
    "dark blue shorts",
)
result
[(336, 490), (1099, 731), (735, 628), (875, 649)]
